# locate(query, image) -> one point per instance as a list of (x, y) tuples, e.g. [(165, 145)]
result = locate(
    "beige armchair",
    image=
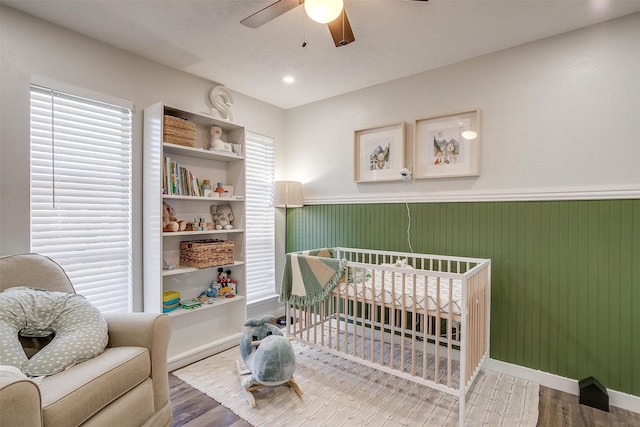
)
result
[(126, 385)]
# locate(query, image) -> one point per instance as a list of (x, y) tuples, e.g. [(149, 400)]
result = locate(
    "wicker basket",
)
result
[(179, 131), (206, 253)]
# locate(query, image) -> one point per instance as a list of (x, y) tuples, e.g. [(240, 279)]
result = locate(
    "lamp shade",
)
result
[(288, 194), (323, 11)]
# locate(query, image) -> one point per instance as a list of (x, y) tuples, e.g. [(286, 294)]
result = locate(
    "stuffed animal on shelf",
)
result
[(169, 220), (267, 354), (216, 143), (227, 284), (223, 275), (222, 217), (208, 295)]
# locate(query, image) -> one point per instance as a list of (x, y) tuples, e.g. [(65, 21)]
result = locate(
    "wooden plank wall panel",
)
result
[(566, 274)]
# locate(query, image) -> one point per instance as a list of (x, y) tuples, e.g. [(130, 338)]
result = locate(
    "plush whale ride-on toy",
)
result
[(268, 356)]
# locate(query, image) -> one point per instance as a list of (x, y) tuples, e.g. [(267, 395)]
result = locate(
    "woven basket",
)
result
[(206, 253), (179, 131)]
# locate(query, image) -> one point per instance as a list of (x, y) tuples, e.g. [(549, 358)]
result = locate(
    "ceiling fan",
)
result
[(330, 12)]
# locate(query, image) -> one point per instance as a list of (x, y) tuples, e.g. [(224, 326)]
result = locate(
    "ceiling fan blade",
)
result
[(341, 30), (270, 12)]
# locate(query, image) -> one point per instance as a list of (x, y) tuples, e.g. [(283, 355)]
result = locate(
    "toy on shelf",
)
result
[(216, 143), (222, 217), (268, 356), (228, 286), (170, 301), (210, 294), (169, 220), (206, 188), (190, 304)]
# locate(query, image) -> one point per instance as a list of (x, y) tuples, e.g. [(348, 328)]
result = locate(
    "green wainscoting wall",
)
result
[(565, 274)]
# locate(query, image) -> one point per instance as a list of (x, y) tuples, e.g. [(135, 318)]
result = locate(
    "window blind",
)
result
[(81, 193), (260, 166)]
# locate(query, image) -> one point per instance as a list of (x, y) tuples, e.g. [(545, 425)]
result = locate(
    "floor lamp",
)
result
[(288, 195)]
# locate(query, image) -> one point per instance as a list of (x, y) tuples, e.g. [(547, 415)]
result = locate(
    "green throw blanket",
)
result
[(310, 276)]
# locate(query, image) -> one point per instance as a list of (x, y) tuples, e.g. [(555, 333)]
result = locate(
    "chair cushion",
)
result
[(76, 394), (79, 328)]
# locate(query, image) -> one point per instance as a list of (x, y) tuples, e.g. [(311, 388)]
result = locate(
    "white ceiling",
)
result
[(394, 38)]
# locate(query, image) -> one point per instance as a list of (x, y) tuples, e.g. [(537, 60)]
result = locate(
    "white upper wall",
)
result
[(35, 48), (559, 115), (32, 47)]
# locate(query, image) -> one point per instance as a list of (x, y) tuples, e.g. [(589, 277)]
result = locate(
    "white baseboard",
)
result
[(264, 307), (616, 398), (193, 355)]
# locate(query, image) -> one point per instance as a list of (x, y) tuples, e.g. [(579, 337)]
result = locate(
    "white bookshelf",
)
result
[(202, 331)]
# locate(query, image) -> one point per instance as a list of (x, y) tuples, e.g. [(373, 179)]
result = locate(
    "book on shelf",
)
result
[(178, 180)]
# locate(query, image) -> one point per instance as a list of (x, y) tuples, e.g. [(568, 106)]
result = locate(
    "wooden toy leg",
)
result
[(294, 385), (247, 394), (247, 391)]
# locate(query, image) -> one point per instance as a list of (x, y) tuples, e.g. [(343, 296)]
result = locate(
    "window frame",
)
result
[(260, 221), (81, 143)]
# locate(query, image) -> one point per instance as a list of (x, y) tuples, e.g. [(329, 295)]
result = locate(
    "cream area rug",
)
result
[(340, 392)]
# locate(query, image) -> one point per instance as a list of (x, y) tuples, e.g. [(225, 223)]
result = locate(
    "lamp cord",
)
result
[(408, 226)]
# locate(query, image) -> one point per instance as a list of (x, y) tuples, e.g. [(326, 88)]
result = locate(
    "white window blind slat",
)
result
[(260, 166), (81, 193)]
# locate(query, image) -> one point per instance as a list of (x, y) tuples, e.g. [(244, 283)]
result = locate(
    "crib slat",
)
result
[(331, 316), (403, 322), (345, 317), (393, 318), (384, 317), (449, 329), (364, 319), (308, 320), (436, 354), (425, 353), (414, 320), (323, 312), (374, 314), (355, 315)]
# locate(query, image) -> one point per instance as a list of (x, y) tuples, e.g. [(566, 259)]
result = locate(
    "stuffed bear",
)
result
[(222, 216), (272, 361), (169, 220)]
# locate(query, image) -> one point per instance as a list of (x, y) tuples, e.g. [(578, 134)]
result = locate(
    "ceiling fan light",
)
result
[(323, 11), (469, 134)]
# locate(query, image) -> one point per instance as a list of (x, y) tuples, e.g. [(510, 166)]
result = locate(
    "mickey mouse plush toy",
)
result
[(227, 284)]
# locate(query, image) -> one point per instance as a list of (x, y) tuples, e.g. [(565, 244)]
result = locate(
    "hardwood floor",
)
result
[(192, 408), (563, 409), (556, 409)]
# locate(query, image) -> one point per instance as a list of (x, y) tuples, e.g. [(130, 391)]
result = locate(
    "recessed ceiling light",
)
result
[(288, 79)]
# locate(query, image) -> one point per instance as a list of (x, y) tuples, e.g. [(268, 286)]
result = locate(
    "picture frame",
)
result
[(441, 150), (380, 153)]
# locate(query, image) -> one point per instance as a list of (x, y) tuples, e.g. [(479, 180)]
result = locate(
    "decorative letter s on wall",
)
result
[(221, 101)]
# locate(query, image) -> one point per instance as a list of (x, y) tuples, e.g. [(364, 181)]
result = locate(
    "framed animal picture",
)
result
[(380, 153)]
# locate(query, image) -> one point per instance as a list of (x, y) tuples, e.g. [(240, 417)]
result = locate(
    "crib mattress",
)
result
[(375, 289)]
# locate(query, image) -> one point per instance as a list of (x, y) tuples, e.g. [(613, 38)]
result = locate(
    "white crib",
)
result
[(420, 317)]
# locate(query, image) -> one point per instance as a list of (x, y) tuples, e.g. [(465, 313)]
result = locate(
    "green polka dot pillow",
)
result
[(79, 328)]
